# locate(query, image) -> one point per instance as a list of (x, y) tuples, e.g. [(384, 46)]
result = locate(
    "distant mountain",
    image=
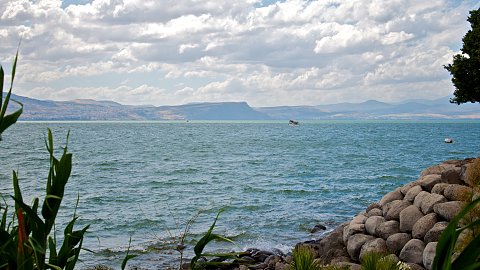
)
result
[(88, 109)]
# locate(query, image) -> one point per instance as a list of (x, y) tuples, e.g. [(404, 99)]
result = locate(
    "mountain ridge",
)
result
[(90, 109)]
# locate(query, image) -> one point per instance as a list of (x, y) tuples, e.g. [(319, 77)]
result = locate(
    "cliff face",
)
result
[(406, 223)]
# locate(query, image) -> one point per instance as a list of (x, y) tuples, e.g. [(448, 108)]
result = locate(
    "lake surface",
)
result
[(145, 180)]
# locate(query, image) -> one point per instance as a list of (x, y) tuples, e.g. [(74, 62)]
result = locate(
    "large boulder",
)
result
[(355, 243), (395, 208), (433, 235), (372, 223), (377, 245), (452, 176), (351, 230), (428, 181), (396, 242), (423, 225), (458, 193), (448, 210), (412, 252), (332, 247), (359, 219), (439, 188), (391, 196), (429, 201), (408, 217), (438, 169), (385, 229), (412, 193), (429, 255), (419, 199), (404, 190), (375, 212)]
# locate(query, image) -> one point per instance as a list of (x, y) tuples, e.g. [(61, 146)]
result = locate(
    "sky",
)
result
[(264, 52)]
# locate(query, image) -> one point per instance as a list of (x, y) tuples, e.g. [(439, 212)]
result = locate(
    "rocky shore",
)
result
[(406, 223)]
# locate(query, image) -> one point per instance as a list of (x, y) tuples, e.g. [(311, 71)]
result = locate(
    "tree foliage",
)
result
[(465, 69)]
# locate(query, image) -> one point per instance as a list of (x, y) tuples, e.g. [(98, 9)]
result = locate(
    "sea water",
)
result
[(274, 182)]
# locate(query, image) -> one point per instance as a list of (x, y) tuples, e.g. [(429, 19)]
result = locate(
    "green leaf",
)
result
[(128, 256)]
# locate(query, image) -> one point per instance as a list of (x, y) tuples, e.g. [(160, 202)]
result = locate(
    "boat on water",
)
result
[(293, 123), (448, 140)]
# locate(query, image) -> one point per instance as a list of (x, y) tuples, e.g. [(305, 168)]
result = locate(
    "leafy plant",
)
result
[(6, 120), (469, 258), (304, 259), (203, 242), (378, 261), (25, 245)]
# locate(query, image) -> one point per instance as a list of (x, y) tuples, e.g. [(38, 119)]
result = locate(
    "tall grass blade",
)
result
[(128, 256), (8, 120)]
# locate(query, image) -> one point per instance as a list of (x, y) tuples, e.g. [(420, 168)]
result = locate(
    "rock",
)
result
[(412, 193), (423, 225), (452, 176), (429, 255), (433, 235), (458, 193), (377, 245), (372, 223), (395, 208), (261, 255), (396, 242), (414, 266), (408, 217), (439, 188), (355, 244), (448, 210), (374, 212), (428, 181), (385, 229), (391, 196), (351, 230), (429, 201), (437, 169), (332, 246), (272, 260), (373, 206), (419, 199), (404, 190), (317, 228), (359, 219), (412, 252), (282, 266), (346, 265), (392, 257)]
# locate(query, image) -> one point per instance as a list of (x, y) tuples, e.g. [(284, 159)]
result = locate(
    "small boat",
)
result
[(293, 123), (448, 140)]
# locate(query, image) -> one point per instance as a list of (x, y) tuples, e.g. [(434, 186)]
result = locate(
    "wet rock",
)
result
[(429, 255), (331, 246), (372, 223), (355, 244), (377, 245), (412, 193), (439, 188), (428, 181), (408, 217), (412, 252), (448, 210), (429, 201), (433, 235), (423, 225), (391, 196), (458, 193), (384, 230), (317, 228), (261, 255), (395, 208), (396, 242)]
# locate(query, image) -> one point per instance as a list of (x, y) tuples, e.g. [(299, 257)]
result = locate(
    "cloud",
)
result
[(289, 52)]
